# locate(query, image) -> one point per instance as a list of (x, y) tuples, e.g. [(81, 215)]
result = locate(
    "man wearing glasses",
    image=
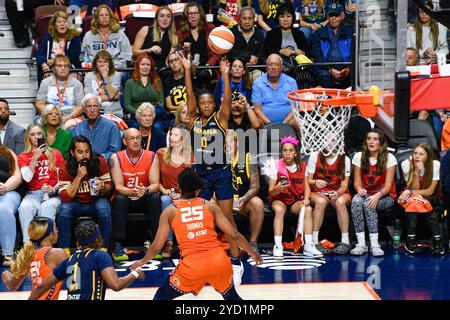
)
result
[(333, 43), (103, 134), (61, 90)]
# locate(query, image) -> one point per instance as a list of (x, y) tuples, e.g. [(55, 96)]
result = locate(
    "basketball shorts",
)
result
[(217, 181), (212, 267)]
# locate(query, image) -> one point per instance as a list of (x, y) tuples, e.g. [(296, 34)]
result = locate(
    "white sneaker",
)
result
[(310, 250), (377, 252), (277, 252), (359, 250), (238, 271)]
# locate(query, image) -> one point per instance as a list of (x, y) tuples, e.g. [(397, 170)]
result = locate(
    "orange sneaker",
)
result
[(298, 242), (288, 245), (327, 244)]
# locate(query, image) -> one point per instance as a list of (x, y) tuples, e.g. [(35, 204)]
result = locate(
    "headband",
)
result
[(48, 232), (91, 238), (289, 139)]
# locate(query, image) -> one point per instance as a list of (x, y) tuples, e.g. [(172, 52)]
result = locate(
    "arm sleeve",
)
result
[(436, 170), (88, 84), (41, 54), (78, 88), (43, 88), (405, 169), (356, 161), (311, 168)]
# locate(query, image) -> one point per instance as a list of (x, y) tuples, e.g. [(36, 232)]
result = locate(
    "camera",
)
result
[(235, 95)]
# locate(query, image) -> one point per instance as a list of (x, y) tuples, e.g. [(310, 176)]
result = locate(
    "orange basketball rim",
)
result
[(367, 102)]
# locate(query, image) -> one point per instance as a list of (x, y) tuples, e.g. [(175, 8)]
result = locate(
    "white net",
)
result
[(321, 127)]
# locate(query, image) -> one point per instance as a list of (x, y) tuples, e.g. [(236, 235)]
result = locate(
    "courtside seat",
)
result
[(272, 133), (422, 131)]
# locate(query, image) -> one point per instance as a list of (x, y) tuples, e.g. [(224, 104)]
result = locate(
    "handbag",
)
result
[(417, 204)]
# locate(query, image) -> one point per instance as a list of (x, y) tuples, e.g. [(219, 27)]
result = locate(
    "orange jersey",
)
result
[(194, 227), (135, 173), (39, 271)]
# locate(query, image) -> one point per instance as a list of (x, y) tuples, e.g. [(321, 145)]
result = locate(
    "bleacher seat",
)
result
[(422, 131), (133, 25), (86, 25)]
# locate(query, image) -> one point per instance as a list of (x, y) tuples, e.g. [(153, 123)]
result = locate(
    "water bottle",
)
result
[(397, 233)]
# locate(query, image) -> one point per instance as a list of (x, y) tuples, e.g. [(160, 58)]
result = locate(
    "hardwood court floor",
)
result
[(396, 276)]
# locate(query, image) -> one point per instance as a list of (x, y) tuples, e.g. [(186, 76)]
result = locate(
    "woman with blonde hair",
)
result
[(39, 165), (172, 160), (61, 38), (56, 137), (182, 115), (37, 258), (105, 34), (157, 40), (422, 177)]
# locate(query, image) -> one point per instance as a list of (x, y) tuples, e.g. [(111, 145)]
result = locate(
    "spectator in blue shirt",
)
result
[(333, 43), (270, 93), (103, 134)]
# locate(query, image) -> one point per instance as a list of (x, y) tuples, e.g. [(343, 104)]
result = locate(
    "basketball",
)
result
[(221, 40)]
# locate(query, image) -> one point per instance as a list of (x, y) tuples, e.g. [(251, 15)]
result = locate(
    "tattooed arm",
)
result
[(254, 185)]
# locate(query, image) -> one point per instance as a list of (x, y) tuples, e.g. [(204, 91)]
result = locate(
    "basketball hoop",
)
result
[(322, 115)]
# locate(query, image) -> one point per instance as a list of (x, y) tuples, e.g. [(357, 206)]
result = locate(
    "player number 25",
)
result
[(189, 214)]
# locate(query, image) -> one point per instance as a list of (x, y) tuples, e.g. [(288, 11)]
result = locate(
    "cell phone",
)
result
[(41, 141), (235, 95), (284, 180)]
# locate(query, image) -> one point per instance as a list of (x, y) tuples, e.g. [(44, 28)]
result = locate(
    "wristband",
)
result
[(105, 83), (72, 115), (135, 274), (249, 107), (410, 192), (382, 193)]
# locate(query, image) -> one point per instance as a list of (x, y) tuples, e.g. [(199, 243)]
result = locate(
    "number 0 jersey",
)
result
[(208, 140), (194, 226)]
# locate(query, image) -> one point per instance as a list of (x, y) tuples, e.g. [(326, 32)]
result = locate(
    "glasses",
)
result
[(61, 66), (193, 13), (92, 107), (135, 138)]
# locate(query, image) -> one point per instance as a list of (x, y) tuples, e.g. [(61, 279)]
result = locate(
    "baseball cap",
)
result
[(334, 8)]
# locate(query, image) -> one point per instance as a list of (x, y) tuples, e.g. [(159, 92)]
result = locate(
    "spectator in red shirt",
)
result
[(85, 185), (39, 165)]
